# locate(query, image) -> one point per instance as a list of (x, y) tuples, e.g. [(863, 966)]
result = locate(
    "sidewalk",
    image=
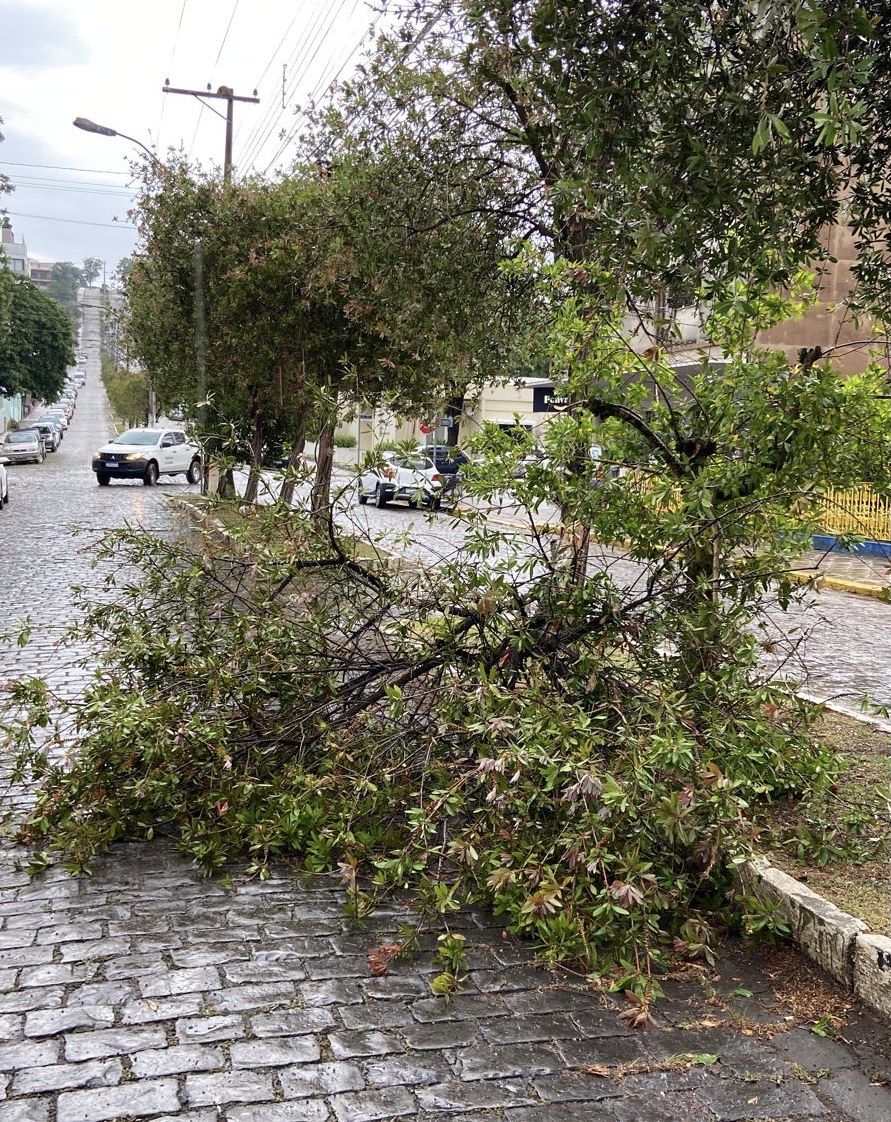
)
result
[(844, 572)]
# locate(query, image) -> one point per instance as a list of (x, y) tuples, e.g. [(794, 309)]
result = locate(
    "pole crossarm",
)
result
[(228, 96)]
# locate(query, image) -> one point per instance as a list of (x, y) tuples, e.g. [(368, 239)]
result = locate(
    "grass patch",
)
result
[(839, 842)]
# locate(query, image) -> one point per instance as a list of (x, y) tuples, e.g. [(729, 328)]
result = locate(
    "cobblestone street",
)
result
[(144, 991)]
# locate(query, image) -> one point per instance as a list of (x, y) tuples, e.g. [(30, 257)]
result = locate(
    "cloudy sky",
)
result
[(108, 59)]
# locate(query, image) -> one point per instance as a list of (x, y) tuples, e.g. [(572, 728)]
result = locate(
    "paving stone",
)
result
[(734, 1102), (160, 1009), (174, 982), (575, 1086), (69, 933), (407, 1069), (22, 1001), (368, 1106), (812, 1052), (553, 999), (482, 1095), (377, 1014), (603, 1050), (12, 1026), (320, 1079), (196, 1030), (111, 1042), (49, 1022), (493, 1062), (133, 1100), (341, 966), (347, 1045), (667, 1107), (240, 999), (261, 971), (382, 989), (297, 1111), (95, 948), (336, 991), (28, 1053), (59, 1077), (228, 1087), (557, 1113), (25, 1110), (516, 1030), (853, 1093), (135, 966), (53, 974), (176, 1060), (275, 1053), (442, 1034), (295, 1023), (102, 993), (188, 957), (461, 1007)]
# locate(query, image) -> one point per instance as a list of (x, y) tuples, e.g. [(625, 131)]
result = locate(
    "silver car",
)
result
[(22, 446)]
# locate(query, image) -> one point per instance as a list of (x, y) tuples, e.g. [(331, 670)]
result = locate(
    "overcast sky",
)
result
[(108, 59)]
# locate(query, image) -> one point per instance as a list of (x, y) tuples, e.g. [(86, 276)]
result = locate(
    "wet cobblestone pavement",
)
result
[(144, 991)]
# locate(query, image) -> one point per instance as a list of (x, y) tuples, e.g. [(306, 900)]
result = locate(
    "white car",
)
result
[(22, 446), (147, 453), (4, 483), (413, 478)]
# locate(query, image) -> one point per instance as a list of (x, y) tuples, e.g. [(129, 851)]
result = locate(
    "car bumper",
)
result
[(122, 469), (21, 457)]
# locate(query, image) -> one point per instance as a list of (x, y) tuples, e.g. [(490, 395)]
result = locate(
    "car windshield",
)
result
[(23, 437), (138, 436), (416, 463)]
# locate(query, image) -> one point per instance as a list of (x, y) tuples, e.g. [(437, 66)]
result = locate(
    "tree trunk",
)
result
[(226, 484), (253, 483), (286, 494), (320, 499)]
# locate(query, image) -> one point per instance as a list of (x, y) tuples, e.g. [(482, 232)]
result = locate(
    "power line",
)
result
[(216, 60), (64, 167), (258, 138), (179, 25), (25, 186), (74, 221), (272, 59)]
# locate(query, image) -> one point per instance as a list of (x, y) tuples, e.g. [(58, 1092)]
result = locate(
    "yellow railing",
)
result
[(860, 512)]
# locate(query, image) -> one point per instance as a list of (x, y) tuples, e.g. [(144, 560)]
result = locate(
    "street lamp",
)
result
[(103, 130)]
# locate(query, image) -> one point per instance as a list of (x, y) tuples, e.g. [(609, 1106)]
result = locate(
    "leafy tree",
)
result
[(37, 347), (92, 269), (66, 279)]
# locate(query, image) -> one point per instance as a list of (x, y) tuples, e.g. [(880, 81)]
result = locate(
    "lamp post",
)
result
[(103, 130)]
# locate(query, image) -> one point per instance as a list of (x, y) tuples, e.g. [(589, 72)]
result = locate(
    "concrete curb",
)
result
[(840, 943), (803, 576)]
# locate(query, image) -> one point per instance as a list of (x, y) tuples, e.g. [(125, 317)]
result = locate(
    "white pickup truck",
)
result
[(147, 453)]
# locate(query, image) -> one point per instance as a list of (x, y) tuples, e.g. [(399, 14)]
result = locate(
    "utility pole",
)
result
[(224, 93)]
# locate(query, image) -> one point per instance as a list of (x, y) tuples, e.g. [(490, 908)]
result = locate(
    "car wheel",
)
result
[(193, 475), (361, 496), (151, 474), (380, 497), (103, 478)]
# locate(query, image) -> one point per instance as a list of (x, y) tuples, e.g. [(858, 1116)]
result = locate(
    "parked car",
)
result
[(4, 483), (23, 446), (52, 437), (145, 454), (53, 422), (412, 478), (57, 415)]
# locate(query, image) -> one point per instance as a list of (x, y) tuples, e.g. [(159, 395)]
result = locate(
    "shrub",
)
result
[(344, 440)]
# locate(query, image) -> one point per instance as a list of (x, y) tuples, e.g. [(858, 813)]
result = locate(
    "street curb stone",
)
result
[(840, 943)]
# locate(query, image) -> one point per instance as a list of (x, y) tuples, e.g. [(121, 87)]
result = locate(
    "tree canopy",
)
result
[(36, 342)]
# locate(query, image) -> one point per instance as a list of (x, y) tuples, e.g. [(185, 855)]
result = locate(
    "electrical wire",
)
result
[(272, 59), (179, 26), (73, 221), (216, 60), (63, 167), (310, 52), (25, 186)]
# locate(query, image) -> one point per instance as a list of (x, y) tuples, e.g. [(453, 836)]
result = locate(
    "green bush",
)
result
[(344, 440)]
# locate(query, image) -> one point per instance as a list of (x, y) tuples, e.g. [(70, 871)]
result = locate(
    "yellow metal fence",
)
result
[(860, 512)]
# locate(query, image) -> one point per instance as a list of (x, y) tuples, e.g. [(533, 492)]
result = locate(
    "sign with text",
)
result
[(545, 400)]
